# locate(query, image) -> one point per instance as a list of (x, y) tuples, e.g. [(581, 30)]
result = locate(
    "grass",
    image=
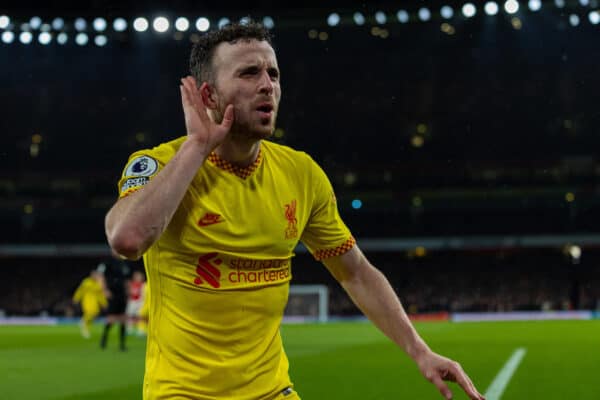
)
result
[(331, 361)]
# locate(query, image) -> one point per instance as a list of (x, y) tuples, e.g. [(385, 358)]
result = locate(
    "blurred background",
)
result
[(461, 139)]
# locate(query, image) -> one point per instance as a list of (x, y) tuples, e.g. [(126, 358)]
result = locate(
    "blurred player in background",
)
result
[(90, 294), (135, 300), (116, 274), (217, 215)]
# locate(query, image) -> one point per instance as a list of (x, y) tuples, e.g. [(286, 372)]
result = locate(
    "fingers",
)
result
[(442, 387), (191, 99), (459, 376)]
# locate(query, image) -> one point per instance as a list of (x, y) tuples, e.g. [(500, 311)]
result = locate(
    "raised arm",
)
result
[(372, 293), (136, 221)]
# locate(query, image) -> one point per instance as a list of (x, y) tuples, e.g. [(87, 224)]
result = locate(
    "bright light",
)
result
[(333, 19), (594, 17), (58, 23), (244, 21), (359, 19), (80, 24), (100, 40), (81, 39), (45, 28), (574, 19), (268, 22), (119, 24), (182, 24), (535, 5), (447, 12), (8, 37), (469, 10), (424, 14), (160, 24), (203, 24), (511, 6), (356, 204), (25, 37), (4, 21), (35, 23), (380, 17), (99, 24), (140, 24), (45, 38), (402, 16), (222, 22), (559, 3), (575, 252), (62, 38), (584, 3), (491, 8)]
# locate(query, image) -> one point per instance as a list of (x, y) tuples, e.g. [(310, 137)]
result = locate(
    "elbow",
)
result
[(125, 244)]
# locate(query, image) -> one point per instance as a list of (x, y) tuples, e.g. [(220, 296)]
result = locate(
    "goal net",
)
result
[(307, 303)]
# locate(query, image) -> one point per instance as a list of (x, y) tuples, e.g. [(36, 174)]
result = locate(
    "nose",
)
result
[(266, 84)]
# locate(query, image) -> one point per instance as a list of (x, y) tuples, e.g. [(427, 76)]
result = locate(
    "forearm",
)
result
[(134, 223), (372, 293)]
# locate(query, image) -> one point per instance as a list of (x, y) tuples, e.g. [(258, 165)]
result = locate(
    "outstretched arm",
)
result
[(372, 293), (135, 222)]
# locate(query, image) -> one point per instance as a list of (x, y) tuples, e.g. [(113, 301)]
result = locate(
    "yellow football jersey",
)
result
[(91, 295), (220, 272)]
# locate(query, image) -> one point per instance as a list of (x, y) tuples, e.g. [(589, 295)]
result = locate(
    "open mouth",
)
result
[(265, 109)]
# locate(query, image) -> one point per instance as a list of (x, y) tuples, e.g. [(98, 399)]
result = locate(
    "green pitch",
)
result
[(333, 361)]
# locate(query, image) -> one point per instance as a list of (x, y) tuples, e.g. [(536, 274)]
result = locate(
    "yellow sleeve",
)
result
[(325, 234), (79, 292), (141, 167)]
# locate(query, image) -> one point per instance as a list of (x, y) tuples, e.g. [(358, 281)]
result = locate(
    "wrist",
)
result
[(195, 149)]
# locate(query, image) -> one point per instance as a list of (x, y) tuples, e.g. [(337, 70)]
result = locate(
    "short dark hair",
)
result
[(201, 58)]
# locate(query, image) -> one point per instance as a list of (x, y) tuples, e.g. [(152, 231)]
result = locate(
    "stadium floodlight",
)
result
[(333, 19), (8, 37), (81, 39), (160, 24), (62, 38), (584, 3), (35, 23), (511, 6), (402, 16), (58, 23), (469, 10), (491, 8), (119, 24), (140, 24), (99, 24), (4, 21), (559, 3), (222, 22), (380, 17), (446, 12), (244, 20), (45, 38), (268, 22), (535, 5), (80, 24), (594, 17), (45, 28), (359, 19), (182, 24), (424, 14), (203, 24), (100, 40), (25, 37), (574, 19)]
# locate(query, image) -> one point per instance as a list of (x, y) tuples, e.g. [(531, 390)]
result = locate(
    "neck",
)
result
[(239, 152)]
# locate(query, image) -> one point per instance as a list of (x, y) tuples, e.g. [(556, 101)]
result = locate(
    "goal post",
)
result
[(307, 303)]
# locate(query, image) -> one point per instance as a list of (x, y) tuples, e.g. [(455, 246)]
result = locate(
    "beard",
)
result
[(247, 130)]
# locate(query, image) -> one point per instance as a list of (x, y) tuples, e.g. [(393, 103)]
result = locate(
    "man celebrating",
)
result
[(217, 214)]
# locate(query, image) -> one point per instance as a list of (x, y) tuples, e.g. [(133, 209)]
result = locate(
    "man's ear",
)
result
[(208, 96)]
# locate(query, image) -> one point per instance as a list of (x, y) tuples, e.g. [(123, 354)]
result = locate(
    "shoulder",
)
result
[(147, 162), (163, 152), (285, 154)]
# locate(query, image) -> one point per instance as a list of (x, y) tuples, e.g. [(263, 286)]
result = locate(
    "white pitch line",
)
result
[(501, 380)]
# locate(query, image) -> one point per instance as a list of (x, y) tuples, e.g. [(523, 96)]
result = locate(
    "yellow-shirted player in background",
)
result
[(217, 215), (90, 294)]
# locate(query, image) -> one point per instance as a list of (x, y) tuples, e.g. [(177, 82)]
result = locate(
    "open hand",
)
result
[(199, 125)]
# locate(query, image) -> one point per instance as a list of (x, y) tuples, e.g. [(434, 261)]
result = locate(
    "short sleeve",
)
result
[(325, 234), (140, 169)]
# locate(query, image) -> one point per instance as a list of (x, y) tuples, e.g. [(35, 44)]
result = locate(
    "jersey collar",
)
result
[(242, 172)]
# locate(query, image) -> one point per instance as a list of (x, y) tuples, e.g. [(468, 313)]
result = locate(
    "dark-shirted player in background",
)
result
[(116, 273)]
